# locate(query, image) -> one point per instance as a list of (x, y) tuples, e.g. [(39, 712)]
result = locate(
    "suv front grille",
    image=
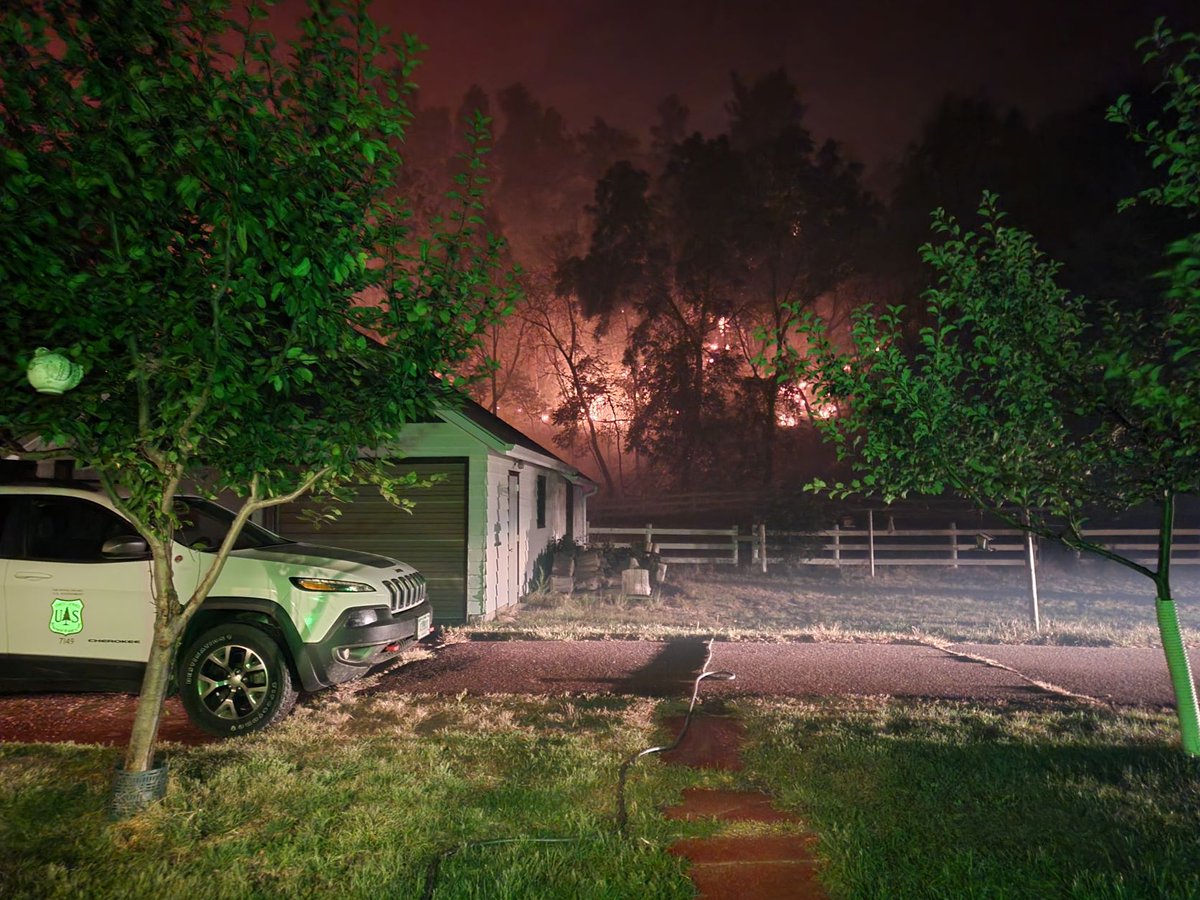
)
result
[(406, 591)]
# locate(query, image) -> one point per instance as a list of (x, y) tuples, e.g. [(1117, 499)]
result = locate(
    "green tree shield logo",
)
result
[(66, 616)]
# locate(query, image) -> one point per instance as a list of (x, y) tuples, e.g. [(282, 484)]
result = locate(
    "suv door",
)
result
[(67, 603), (7, 502)]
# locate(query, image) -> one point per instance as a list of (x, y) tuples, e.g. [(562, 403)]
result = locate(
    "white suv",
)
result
[(76, 610)]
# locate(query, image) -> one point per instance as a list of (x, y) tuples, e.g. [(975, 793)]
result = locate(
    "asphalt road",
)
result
[(1123, 676)]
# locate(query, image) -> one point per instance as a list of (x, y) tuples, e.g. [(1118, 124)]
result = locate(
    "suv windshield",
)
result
[(203, 525)]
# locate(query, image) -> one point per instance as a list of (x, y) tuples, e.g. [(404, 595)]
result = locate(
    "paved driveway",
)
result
[(1135, 677)]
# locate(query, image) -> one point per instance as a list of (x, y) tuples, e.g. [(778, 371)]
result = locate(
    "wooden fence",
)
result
[(717, 546), (872, 547), (953, 546)]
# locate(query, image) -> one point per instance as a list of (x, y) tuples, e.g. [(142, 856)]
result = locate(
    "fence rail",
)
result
[(718, 546), (953, 546), (694, 502)]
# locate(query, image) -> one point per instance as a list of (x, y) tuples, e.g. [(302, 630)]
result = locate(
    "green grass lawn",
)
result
[(355, 797), (1088, 604), (954, 800), (357, 794)]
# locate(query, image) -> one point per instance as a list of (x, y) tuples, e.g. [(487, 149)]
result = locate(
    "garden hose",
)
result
[(431, 873), (622, 816)]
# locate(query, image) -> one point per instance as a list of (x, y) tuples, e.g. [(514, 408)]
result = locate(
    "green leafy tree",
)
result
[(207, 224), (1010, 400), (1014, 397), (1028, 401)]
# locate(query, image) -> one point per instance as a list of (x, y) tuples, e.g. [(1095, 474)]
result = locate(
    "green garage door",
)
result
[(433, 538)]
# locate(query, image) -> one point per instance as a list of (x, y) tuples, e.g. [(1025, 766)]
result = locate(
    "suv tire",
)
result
[(234, 679)]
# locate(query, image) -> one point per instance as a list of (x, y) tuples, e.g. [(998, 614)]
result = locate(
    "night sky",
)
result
[(871, 71)]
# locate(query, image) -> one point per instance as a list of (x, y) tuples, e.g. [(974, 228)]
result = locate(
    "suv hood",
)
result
[(319, 557)]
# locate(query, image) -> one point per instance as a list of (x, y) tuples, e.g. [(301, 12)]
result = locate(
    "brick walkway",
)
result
[(768, 866)]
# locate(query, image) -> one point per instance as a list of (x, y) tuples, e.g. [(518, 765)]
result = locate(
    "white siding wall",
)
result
[(501, 549), (514, 540), (503, 544), (536, 539)]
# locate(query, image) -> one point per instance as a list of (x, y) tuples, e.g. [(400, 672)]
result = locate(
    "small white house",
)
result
[(500, 500)]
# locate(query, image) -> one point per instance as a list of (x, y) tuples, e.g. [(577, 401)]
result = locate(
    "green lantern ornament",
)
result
[(50, 372)]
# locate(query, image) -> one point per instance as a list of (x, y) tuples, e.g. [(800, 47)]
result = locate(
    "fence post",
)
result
[(837, 545), (1035, 616), (762, 547), (649, 536), (733, 535), (871, 539), (953, 545)]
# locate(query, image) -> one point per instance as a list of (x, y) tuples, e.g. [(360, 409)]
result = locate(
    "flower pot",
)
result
[(52, 373), (134, 791)]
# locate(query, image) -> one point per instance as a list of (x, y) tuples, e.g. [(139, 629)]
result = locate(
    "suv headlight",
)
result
[(329, 585)]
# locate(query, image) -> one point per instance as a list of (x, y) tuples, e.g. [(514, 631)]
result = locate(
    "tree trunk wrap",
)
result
[(1181, 674)]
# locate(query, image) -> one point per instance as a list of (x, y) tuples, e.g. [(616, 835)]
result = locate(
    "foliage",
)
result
[(1021, 397), (1166, 383), (706, 258), (1002, 361), (206, 222)]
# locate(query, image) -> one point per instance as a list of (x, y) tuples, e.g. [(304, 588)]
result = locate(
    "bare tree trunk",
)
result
[(771, 390), (598, 454), (139, 755)]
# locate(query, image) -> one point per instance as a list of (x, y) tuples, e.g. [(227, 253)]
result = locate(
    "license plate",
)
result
[(424, 625)]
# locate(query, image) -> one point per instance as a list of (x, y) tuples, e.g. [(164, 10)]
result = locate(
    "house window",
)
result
[(541, 501)]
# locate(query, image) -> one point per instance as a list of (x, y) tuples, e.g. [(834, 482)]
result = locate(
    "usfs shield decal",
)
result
[(66, 616)]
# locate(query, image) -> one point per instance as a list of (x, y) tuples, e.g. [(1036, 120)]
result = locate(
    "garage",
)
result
[(433, 538), (477, 534)]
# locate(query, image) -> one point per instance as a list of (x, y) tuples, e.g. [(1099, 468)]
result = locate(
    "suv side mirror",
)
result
[(125, 546)]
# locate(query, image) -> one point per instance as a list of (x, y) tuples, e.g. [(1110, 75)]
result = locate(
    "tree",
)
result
[(574, 357), (695, 266), (1012, 401), (498, 367), (622, 262), (205, 222), (1165, 377), (536, 160), (805, 218), (603, 145), (1062, 178), (671, 128), (1031, 402)]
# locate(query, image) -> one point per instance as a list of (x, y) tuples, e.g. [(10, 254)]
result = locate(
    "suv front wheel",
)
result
[(234, 679)]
